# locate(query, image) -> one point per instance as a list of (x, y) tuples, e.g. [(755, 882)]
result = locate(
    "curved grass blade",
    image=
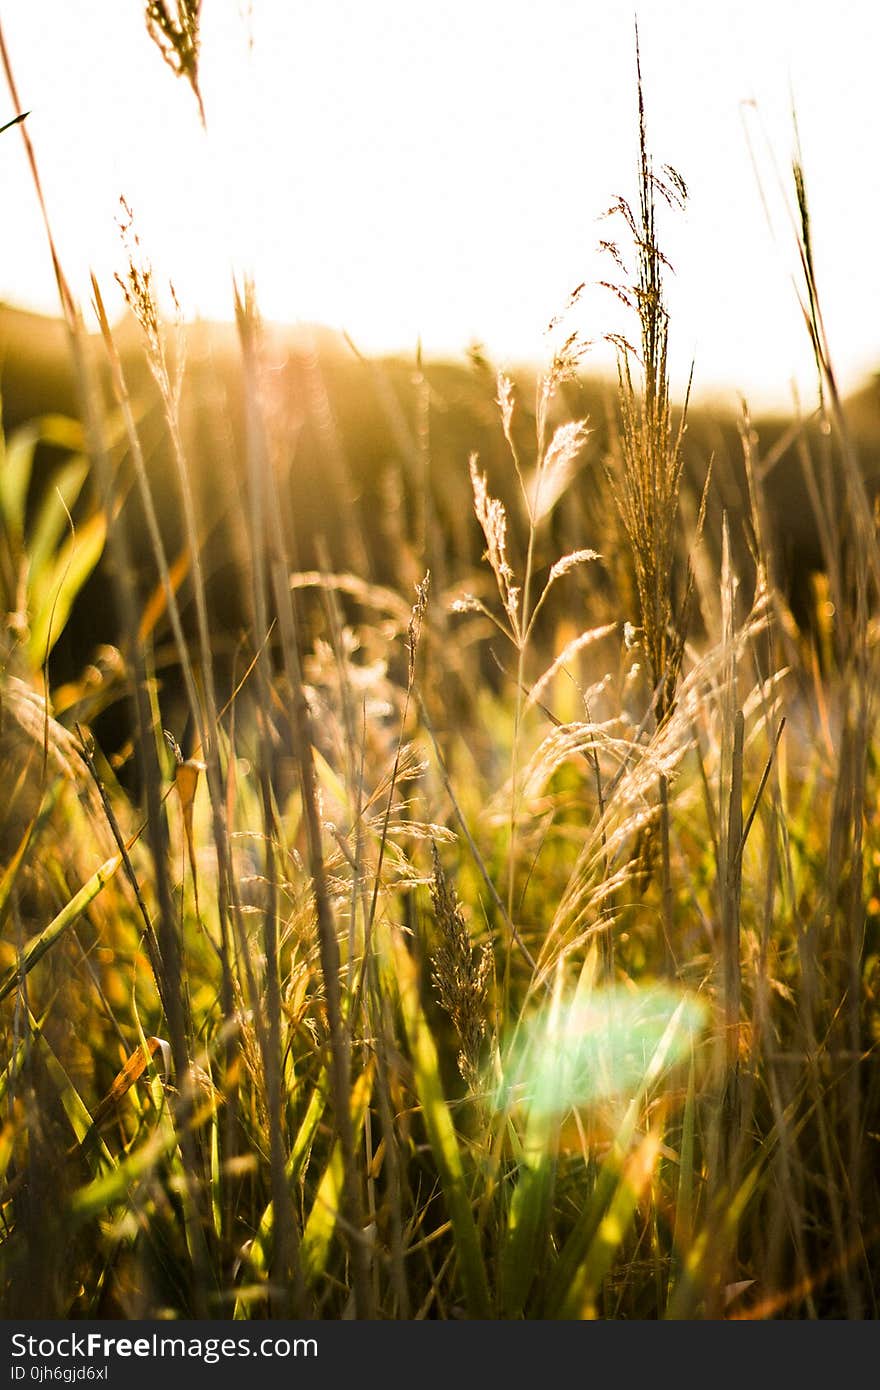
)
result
[(38, 945)]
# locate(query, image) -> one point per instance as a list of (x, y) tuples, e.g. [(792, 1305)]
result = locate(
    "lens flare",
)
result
[(611, 1044)]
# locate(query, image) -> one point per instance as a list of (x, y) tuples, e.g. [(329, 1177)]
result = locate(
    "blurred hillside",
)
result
[(375, 455)]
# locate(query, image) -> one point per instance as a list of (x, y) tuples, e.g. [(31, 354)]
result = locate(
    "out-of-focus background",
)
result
[(439, 172)]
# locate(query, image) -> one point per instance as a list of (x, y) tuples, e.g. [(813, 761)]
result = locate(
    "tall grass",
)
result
[(547, 989)]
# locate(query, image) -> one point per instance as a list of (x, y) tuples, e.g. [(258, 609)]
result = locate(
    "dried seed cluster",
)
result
[(460, 973)]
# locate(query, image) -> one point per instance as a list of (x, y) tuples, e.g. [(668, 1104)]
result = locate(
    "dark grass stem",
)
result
[(172, 991), (301, 732)]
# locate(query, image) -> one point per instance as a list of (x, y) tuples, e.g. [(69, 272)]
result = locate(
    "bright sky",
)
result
[(405, 170)]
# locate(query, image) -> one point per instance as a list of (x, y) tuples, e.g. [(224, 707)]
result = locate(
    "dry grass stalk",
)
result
[(303, 744), (731, 896), (492, 516), (175, 31), (179, 1023), (647, 488), (858, 565)]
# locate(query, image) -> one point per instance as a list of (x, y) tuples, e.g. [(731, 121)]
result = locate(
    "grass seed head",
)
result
[(460, 973)]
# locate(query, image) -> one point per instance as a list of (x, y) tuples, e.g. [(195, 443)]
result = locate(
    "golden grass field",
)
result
[(440, 846)]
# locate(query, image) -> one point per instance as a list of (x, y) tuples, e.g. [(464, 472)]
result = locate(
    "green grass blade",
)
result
[(716, 1236), (529, 1206), (258, 1253), (442, 1137), (302, 1144), (321, 1223), (113, 1188), (15, 477), (53, 515), (38, 945), (584, 1232), (77, 1112), (581, 1294), (53, 597), (521, 1257), (684, 1205)]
